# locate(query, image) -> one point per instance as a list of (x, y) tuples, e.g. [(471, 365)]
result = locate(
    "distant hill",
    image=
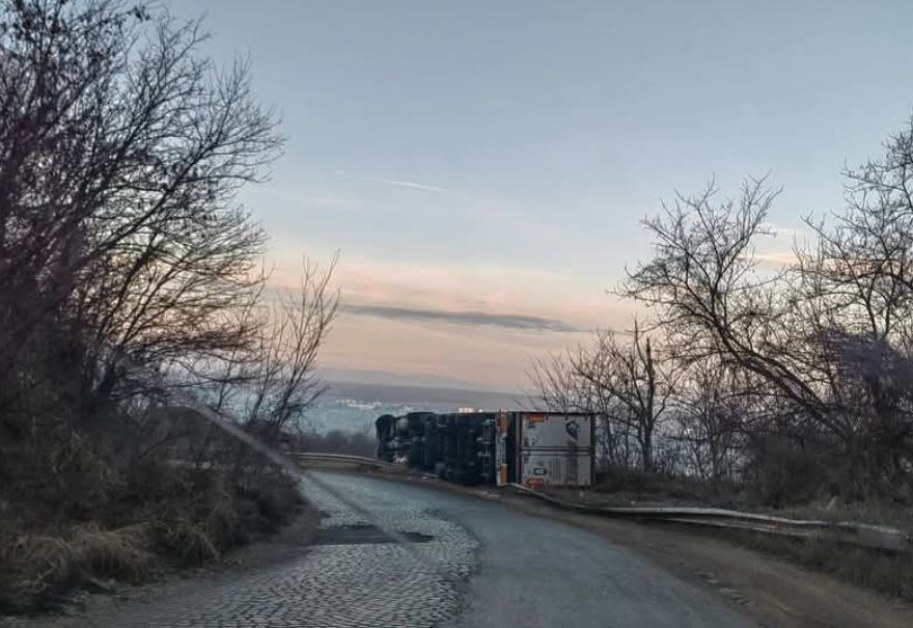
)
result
[(412, 380), (353, 406)]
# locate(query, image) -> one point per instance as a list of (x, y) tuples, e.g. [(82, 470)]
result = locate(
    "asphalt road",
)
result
[(454, 561)]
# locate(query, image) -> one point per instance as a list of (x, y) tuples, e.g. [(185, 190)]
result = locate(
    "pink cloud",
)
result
[(476, 323)]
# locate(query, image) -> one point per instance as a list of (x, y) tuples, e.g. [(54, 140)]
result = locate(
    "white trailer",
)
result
[(538, 449)]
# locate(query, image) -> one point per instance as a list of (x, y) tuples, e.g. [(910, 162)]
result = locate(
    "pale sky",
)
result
[(482, 165)]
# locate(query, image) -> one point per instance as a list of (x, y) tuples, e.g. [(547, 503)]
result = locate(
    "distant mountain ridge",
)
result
[(354, 406), (444, 396), (388, 378)]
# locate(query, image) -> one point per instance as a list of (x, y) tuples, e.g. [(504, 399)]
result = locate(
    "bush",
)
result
[(185, 541), (784, 470), (36, 569), (157, 514), (271, 504), (887, 572)]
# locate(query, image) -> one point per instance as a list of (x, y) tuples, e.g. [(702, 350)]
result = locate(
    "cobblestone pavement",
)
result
[(349, 583)]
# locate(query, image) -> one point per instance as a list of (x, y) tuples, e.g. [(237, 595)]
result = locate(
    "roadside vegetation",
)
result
[(765, 384), (132, 283), (336, 442)]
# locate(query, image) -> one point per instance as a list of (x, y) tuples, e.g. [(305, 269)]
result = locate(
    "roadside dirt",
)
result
[(775, 592)]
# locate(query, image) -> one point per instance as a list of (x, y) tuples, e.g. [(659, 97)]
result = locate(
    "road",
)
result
[(466, 562)]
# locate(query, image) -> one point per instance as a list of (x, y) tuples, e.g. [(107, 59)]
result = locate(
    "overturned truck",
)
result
[(535, 449)]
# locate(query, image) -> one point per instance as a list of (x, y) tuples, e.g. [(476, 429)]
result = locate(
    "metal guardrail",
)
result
[(346, 458), (861, 534)]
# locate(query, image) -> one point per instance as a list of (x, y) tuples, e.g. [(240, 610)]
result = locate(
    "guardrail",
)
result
[(862, 534), (345, 458)]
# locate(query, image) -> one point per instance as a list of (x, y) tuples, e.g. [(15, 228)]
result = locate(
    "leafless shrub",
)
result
[(336, 442), (711, 414), (621, 379)]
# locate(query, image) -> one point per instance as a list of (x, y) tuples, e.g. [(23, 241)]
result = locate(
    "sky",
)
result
[(482, 166)]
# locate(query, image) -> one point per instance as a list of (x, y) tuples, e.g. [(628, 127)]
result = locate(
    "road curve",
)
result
[(466, 562)]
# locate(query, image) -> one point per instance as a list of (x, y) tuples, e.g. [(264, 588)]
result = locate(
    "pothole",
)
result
[(364, 534)]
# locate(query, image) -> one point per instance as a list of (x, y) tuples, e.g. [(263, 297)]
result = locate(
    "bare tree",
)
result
[(862, 262), (716, 303), (270, 383), (859, 278), (631, 373), (713, 410), (122, 150), (123, 248), (828, 337), (620, 378), (560, 387), (284, 380), (128, 268)]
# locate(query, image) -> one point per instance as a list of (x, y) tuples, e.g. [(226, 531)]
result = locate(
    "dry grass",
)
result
[(873, 512), (37, 568), (188, 519), (890, 573), (626, 487), (185, 541), (122, 553)]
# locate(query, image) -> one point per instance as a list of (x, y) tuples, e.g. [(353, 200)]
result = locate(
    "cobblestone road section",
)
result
[(346, 584)]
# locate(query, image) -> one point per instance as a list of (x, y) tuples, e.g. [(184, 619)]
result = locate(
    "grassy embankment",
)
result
[(81, 515)]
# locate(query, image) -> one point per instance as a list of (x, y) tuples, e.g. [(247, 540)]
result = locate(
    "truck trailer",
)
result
[(535, 449)]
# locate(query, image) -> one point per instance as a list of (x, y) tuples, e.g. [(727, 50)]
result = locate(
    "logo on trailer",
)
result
[(573, 428)]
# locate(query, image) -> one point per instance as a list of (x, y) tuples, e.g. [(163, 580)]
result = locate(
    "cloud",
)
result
[(415, 186), (777, 231), (776, 260), (508, 321)]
